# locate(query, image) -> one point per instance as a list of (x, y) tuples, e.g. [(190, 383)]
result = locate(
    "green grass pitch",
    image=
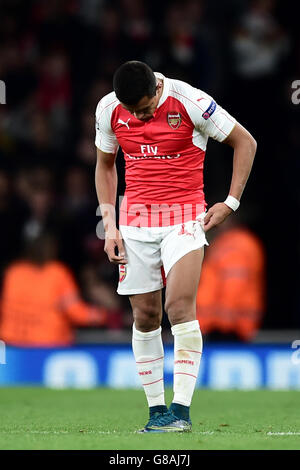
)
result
[(40, 418)]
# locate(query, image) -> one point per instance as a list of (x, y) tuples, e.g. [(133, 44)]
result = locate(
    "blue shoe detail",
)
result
[(154, 413), (181, 411), (168, 422)]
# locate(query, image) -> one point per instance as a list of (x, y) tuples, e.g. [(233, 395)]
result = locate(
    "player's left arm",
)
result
[(244, 147)]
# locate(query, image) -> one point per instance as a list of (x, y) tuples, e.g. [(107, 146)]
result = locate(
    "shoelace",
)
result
[(153, 418), (164, 419)]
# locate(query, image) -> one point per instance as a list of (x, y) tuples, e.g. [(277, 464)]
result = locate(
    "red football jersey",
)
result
[(164, 156)]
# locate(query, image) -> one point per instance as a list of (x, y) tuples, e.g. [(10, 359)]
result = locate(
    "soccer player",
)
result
[(162, 126)]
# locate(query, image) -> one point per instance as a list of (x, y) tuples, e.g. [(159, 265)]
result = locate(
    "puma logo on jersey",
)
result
[(124, 123)]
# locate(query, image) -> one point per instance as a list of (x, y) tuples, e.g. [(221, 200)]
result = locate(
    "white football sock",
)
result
[(149, 356), (187, 356)]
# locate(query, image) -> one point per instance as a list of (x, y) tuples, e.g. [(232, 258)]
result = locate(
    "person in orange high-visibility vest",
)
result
[(40, 302), (231, 292)]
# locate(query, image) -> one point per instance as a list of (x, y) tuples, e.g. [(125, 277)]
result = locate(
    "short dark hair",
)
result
[(132, 81)]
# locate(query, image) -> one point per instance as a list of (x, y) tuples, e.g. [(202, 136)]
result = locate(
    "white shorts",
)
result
[(148, 249)]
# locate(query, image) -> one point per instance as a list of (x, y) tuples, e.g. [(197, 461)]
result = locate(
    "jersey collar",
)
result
[(166, 89)]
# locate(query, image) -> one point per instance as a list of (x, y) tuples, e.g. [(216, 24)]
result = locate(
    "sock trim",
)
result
[(145, 336), (183, 328), (144, 339), (150, 383), (152, 360), (189, 350), (184, 373)]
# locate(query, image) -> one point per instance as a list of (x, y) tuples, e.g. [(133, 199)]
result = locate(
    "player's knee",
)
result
[(180, 310), (146, 318)]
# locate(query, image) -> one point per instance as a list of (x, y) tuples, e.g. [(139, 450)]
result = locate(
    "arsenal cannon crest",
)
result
[(174, 120)]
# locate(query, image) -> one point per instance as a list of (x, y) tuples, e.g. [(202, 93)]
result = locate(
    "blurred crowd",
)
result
[(57, 60)]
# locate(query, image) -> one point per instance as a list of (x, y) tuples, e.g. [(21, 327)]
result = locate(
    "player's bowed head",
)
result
[(137, 89)]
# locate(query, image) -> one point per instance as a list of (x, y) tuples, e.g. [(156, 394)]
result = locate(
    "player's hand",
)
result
[(216, 215), (113, 243)]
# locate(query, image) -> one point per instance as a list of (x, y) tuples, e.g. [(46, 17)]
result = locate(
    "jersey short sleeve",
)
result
[(215, 121), (105, 138), (207, 116)]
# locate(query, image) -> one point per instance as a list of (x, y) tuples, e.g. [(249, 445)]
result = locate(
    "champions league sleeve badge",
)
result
[(210, 110), (174, 120)]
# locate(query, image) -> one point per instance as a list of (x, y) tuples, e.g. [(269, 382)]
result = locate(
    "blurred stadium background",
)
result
[(57, 60)]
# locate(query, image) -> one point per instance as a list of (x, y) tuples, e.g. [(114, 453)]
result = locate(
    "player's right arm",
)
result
[(106, 178), (106, 181)]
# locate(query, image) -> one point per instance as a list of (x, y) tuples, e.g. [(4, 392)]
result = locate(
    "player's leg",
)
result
[(146, 310), (182, 286), (148, 349), (141, 280), (182, 254)]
